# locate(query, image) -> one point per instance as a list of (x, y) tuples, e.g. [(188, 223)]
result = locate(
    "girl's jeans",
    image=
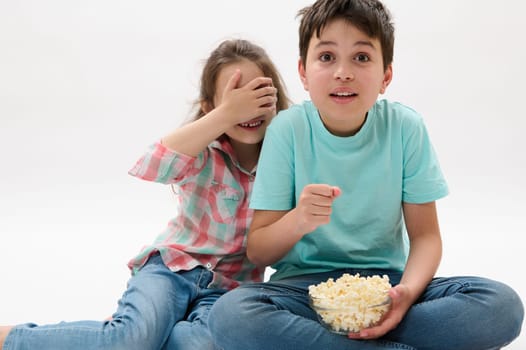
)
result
[(159, 310), (458, 313)]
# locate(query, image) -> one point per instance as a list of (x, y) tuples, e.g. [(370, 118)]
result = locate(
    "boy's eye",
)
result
[(326, 57), (362, 58)]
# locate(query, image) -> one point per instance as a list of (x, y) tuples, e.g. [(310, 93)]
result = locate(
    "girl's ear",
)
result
[(206, 106), (303, 76)]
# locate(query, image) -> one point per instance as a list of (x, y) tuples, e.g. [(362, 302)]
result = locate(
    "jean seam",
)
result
[(393, 345), (204, 276)]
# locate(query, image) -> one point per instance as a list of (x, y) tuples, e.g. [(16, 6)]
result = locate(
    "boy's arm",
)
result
[(273, 233), (425, 249), (424, 257)]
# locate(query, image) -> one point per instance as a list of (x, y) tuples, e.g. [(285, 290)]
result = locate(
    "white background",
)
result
[(85, 86)]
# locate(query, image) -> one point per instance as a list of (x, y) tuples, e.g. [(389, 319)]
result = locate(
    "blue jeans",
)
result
[(159, 310), (457, 313)]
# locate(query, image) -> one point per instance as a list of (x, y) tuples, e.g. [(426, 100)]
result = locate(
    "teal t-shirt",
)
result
[(389, 161)]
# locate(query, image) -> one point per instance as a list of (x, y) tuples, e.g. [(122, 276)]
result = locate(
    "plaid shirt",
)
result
[(211, 225)]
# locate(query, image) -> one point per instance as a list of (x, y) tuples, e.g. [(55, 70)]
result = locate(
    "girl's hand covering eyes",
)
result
[(254, 100)]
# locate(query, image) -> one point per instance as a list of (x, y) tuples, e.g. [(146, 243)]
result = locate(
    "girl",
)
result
[(211, 162)]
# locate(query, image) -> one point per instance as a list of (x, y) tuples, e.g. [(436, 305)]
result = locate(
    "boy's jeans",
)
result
[(461, 313), (159, 305)]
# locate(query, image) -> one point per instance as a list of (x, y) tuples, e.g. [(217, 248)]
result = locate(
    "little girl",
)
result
[(211, 162)]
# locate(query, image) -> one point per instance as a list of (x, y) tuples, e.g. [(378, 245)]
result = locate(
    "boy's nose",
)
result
[(344, 72)]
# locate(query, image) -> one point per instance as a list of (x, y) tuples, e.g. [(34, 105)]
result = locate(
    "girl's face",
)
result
[(344, 75), (253, 131)]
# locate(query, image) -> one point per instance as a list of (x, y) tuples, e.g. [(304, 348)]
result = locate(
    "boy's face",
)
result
[(344, 75)]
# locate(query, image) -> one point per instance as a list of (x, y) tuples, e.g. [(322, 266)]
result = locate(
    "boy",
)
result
[(357, 177)]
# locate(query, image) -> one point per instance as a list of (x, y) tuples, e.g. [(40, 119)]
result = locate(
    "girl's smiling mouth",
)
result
[(255, 123)]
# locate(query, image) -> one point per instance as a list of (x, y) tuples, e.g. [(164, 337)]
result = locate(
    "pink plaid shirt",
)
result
[(211, 225)]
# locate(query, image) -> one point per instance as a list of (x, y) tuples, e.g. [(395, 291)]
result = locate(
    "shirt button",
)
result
[(208, 266)]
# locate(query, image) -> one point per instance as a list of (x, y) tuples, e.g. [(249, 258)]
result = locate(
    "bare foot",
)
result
[(4, 331)]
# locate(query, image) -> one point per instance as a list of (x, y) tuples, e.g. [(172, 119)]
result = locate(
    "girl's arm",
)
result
[(237, 105)]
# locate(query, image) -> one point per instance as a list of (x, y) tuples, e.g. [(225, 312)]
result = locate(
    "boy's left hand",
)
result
[(401, 302)]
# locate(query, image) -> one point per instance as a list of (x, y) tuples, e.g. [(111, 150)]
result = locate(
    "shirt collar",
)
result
[(223, 145)]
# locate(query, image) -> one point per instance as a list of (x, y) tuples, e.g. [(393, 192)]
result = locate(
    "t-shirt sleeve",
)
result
[(274, 185), (423, 180)]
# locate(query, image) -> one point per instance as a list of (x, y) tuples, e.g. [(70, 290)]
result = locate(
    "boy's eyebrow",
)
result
[(366, 43), (358, 43)]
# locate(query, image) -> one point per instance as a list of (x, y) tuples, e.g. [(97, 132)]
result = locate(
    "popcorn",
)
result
[(349, 304)]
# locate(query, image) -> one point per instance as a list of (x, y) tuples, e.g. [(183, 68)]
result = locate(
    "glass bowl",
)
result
[(344, 317)]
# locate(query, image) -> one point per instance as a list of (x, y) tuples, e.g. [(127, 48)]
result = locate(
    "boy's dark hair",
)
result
[(369, 16)]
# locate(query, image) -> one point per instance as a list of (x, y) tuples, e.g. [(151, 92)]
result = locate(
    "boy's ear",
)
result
[(303, 77), (388, 76)]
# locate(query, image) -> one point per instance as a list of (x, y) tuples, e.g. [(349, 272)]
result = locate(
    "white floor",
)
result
[(64, 247)]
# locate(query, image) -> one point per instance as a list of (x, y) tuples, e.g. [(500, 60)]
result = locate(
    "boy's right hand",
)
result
[(255, 99), (315, 206)]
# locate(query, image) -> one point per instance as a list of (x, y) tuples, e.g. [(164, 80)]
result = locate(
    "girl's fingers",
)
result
[(233, 81), (260, 84), (268, 101), (267, 91)]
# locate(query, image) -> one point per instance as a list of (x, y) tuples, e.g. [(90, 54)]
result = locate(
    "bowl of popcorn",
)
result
[(351, 302)]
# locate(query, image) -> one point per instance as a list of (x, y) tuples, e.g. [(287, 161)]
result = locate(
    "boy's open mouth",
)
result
[(343, 94)]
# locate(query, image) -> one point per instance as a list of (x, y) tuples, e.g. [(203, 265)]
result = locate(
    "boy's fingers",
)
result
[(326, 190), (321, 190), (336, 191)]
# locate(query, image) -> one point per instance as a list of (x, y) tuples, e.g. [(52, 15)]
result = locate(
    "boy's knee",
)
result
[(507, 310), (224, 311), (231, 314), (511, 302)]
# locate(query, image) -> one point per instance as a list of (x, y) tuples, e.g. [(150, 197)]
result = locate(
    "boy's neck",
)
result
[(346, 130)]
